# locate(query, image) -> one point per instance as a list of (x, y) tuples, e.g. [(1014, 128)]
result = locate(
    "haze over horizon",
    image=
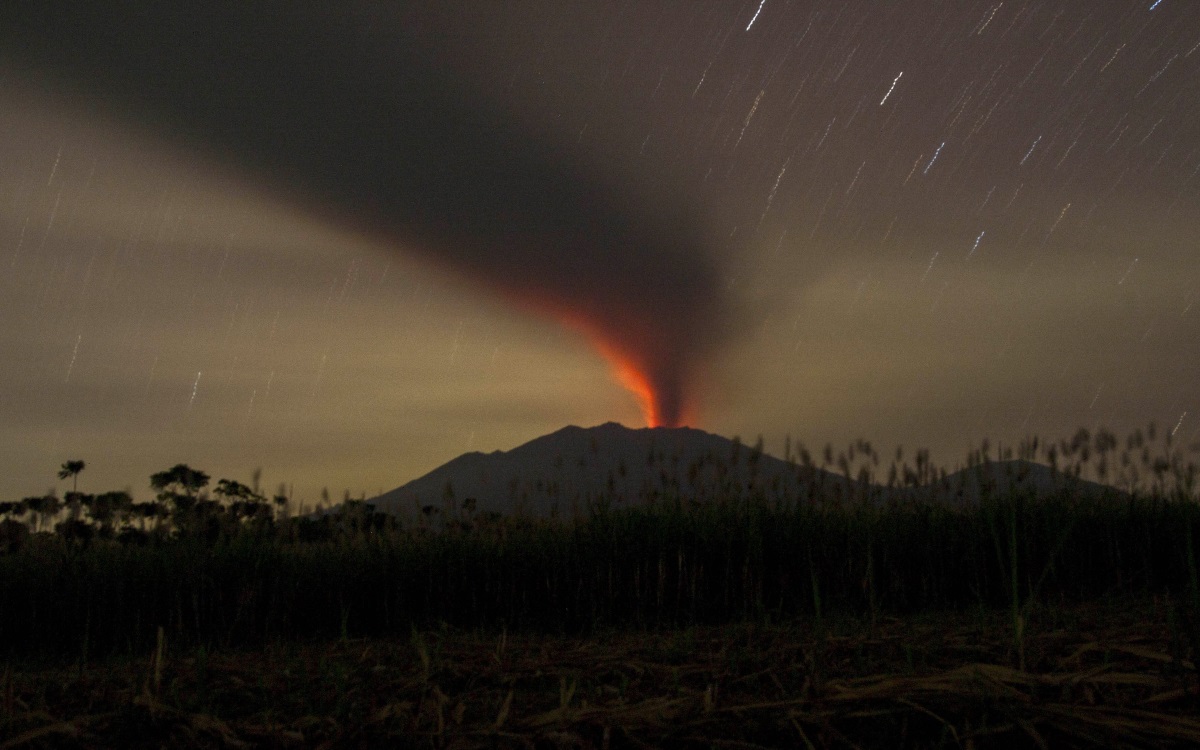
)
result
[(922, 225)]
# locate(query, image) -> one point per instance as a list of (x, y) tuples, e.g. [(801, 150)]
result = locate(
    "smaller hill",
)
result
[(1003, 477)]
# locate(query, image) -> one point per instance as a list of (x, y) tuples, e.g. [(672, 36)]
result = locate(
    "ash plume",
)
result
[(337, 107)]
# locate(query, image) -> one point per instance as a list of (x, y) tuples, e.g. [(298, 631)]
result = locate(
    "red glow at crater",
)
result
[(659, 398), (636, 382)]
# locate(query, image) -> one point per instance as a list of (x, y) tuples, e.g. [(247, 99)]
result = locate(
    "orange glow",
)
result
[(629, 372), (636, 382)]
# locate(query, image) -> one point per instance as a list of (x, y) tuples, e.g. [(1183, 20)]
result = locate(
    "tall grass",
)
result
[(743, 556)]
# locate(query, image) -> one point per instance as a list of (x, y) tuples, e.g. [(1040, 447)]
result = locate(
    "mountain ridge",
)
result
[(566, 473)]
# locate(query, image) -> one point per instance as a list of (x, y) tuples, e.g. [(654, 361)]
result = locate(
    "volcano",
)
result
[(568, 472)]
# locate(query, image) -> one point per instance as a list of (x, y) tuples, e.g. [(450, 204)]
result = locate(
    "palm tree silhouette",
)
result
[(71, 469)]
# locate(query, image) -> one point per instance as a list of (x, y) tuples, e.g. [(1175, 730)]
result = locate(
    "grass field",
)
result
[(1097, 675), (1061, 619)]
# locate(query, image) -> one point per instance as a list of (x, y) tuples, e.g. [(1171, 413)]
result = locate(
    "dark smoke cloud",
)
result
[(337, 106)]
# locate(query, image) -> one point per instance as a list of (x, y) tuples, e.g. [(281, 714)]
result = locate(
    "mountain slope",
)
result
[(568, 472), (563, 473), (1002, 477)]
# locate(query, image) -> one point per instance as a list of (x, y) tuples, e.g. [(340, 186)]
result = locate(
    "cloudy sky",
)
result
[(346, 242)]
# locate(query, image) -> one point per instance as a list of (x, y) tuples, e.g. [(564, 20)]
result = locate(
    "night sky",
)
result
[(346, 242)]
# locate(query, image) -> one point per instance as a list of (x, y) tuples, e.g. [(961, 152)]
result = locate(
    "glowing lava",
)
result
[(657, 389), (637, 382), (417, 159), (641, 362)]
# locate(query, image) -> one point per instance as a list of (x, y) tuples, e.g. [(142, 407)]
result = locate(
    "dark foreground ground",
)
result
[(1111, 675)]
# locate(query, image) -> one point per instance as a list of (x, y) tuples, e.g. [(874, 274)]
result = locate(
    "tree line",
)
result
[(183, 505)]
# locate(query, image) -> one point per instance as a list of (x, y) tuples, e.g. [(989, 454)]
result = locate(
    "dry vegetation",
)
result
[(872, 620), (1109, 675)]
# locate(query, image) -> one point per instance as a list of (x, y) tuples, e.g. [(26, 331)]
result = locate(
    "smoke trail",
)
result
[(336, 106)]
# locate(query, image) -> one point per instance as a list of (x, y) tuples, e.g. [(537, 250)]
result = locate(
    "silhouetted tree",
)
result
[(245, 504), (75, 503), (43, 508), (20, 509), (146, 511), (178, 488), (179, 485), (71, 469), (109, 508), (230, 490)]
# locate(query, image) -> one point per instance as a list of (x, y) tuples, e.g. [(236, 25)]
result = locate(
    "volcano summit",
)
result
[(568, 472)]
